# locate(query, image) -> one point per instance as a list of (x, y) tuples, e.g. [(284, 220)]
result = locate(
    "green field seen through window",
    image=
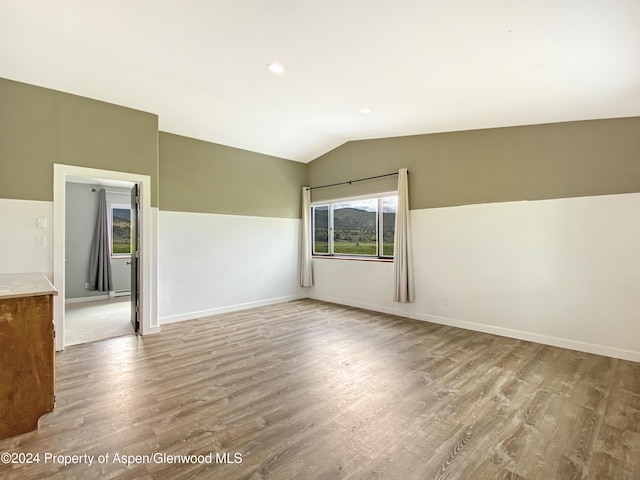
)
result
[(352, 248)]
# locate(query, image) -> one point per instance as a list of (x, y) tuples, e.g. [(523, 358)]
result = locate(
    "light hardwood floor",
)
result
[(311, 390)]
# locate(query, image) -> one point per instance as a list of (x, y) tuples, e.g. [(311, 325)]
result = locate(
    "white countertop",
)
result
[(14, 285)]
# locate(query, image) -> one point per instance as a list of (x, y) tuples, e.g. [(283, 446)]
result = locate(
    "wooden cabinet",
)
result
[(27, 352)]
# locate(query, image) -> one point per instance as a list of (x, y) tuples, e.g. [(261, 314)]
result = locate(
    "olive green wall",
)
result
[(535, 162), (40, 127), (203, 177)]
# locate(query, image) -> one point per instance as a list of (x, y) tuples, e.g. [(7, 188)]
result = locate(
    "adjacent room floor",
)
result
[(90, 321), (311, 390)]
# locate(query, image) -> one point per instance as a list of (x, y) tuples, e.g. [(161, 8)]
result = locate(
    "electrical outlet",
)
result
[(42, 241), (445, 301), (41, 222), (86, 285)]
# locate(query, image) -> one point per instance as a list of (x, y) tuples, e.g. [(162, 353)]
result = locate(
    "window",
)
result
[(120, 230), (359, 227)]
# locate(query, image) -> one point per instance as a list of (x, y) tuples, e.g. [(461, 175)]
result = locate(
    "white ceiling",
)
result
[(422, 66)]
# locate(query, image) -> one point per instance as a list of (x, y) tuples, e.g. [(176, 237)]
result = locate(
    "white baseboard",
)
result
[(365, 306), (535, 337), (231, 308), (501, 331), (452, 322), (120, 293), (93, 298)]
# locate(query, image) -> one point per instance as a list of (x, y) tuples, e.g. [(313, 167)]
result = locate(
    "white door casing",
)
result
[(61, 174)]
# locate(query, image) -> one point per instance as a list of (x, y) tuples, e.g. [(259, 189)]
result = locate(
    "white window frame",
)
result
[(330, 222), (111, 209)]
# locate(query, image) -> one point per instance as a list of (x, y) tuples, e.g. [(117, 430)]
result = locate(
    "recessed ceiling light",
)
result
[(275, 68), (366, 111)]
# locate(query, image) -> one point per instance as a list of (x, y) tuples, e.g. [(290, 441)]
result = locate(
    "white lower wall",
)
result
[(563, 272), (212, 263), (19, 248)]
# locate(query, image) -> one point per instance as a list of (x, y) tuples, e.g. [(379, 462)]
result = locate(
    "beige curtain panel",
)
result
[(306, 267), (402, 267)]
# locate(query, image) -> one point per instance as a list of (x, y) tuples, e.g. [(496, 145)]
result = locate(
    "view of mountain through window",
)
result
[(360, 227), (120, 231)]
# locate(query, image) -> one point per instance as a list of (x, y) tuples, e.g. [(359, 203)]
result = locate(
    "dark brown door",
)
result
[(135, 257)]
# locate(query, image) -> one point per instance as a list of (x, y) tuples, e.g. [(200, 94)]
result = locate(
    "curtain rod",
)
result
[(109, 191), (349, 182)]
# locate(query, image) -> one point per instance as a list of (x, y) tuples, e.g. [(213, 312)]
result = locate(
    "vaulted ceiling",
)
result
[(420, 66)]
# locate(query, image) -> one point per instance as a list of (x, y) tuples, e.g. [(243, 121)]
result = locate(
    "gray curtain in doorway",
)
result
[(100, 260)]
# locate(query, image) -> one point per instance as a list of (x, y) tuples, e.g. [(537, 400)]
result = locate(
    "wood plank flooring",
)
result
[(311, 390)]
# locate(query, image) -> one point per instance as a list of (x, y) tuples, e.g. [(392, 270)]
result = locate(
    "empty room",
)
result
[(320, 240)]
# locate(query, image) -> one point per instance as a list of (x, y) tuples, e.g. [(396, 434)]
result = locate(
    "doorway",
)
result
[(146, 243), (96, 311)]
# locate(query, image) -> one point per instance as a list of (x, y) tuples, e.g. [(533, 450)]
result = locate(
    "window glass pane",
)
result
[(321, 229), (120, 231), (354, 227), (389, 207)]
